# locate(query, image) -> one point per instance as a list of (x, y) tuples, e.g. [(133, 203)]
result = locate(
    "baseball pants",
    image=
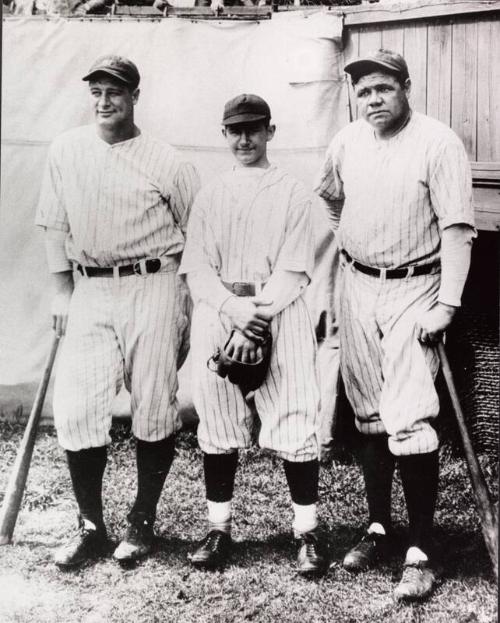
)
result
[(388, 374), (131, 330), (287, 402)]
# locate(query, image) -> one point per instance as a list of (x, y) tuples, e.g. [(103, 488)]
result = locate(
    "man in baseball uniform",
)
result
[(397, 186), (114, 205), (250, 228)]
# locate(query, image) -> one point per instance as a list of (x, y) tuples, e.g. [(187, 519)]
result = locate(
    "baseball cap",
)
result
[(118, 67), (375, 61), (245, 108)]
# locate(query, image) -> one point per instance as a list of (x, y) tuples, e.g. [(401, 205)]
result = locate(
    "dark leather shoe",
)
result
[(417, 582), (365, 553), (213, 551), (88, 543), (138, 540), (311, 559)]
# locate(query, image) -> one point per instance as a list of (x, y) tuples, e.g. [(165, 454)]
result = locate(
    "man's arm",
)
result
[(450, 188), (187, 185), (456, 244), (62, 278), (333, 209), (329, 185)]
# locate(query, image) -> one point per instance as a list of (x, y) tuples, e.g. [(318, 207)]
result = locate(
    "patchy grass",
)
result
[(260, 584)]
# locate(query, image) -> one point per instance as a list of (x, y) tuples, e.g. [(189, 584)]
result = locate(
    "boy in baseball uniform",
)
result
[(114, 205), (250, 228), (397, 187)]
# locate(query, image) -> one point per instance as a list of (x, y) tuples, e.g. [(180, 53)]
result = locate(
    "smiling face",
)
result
[(248, 142), (113, 103), (383, 102)]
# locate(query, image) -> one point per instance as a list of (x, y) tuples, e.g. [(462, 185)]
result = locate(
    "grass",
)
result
[(260, 584)]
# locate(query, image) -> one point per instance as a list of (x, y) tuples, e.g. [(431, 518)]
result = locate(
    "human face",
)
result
[(383, 102), (248, 142), (113, 103)]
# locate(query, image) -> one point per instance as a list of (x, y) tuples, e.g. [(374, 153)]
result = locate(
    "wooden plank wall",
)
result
[(455, 71)]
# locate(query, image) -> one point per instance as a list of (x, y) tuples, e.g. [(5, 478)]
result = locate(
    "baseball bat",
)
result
[(17, 481), (488, 514)]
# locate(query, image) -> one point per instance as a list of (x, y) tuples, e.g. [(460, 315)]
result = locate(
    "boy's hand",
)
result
[(248, 315), (242, 349)]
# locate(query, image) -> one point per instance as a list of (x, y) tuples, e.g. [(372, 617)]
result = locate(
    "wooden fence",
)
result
[(453, 54)]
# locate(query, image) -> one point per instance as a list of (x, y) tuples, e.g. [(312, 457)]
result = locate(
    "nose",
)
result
[(103, 100), (244, 137), (374, 98)]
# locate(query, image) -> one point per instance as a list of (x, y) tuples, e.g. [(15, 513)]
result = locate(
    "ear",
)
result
[(224, 133), (135, 96), (407, 86), (271, 129)]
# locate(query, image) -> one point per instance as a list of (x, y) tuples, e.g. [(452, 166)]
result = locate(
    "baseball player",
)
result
[(250, 228), (114, 205), (397, 186)]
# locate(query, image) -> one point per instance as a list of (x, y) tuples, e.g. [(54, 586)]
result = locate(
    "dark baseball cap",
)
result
[(117, 67), (245, 108), (380, 60)]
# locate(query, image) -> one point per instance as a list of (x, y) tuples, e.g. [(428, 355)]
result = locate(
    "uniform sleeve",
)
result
[(200, 258), (186, 186), (51, 211), (328, 184), (55, 249), (199, 250), (297, 251), (450, 185)]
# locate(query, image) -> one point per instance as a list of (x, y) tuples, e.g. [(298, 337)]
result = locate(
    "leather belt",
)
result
[(391, 273), (240, 288), (142, 267)]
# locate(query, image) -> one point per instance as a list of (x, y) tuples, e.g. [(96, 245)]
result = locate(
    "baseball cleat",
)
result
[(213, 551), (88, 543), (138, 540), (311, 558), (417, 582), (365, 553)]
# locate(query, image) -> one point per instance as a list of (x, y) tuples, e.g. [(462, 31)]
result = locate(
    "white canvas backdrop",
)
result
[(189, 69)]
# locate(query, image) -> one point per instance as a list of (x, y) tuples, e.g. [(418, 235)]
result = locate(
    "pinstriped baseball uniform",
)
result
[(119, 203), (245, 225), (393, 198)]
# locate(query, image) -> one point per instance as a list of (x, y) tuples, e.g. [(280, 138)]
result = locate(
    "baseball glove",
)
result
[(248, 376)]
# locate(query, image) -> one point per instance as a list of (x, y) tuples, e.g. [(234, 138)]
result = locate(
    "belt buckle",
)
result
[(239, 288), (139, 268), (146, 266)]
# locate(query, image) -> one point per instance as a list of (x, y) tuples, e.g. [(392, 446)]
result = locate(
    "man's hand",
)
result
[(60, 303), (432, 324), (242, 349), (248, 315)]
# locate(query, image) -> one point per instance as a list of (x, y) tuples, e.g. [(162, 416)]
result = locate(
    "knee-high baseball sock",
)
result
[(302, 479), (220, 473), (86, 468), (420, 475), (154, 459), (378, 465)]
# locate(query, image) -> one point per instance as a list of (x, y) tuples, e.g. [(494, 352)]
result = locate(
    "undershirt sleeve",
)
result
[(456, 244)]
